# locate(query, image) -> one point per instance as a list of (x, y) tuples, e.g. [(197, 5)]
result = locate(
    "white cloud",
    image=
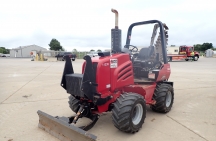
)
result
[(87, 24)]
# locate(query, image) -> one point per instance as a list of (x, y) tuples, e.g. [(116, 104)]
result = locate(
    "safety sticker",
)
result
[(151, 76), (113, 63)]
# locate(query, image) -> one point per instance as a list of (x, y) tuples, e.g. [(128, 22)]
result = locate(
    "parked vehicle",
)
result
[(61, 56), (181, 53), (4, 55), (92, 54)]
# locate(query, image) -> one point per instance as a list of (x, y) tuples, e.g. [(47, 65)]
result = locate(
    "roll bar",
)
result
[(162, 34)]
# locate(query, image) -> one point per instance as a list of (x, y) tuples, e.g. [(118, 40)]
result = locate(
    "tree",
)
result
[(4, 50), (203, 47), (74, 50), (55, 45), (1, 50), (63, 49), (206, 46), (197, 47), (92, 50), (99, 50)]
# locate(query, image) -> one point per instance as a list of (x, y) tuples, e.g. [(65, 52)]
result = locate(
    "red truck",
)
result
[(181, 53)]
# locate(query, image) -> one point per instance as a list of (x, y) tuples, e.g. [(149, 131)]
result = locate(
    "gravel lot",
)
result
[(27, 86)]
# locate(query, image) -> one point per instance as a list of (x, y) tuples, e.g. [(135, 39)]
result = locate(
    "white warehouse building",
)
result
[(24, 51)]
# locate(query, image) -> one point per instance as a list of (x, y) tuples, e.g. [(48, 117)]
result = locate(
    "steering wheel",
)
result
[(158, 65), (134, 47)]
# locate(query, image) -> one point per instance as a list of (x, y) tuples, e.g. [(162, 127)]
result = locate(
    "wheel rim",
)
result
[(168, 99), (195, 58), (138, 112)]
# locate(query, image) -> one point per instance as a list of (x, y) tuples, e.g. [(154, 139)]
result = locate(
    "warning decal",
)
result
[(113, 63)]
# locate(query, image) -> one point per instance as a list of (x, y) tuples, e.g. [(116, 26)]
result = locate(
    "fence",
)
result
[(80, 55), (50, 53)]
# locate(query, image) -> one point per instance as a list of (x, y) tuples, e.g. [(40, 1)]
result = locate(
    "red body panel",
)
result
[(146, 90), (164, 73), (103, 74), (104, 108), (122, 75)]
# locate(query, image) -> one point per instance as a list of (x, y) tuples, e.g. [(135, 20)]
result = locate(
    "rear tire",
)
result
[(164, 97), (73, 103), (129, 112), (73, 59)]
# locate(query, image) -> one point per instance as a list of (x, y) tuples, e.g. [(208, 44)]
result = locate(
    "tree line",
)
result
[(203, 47), (56, 46)]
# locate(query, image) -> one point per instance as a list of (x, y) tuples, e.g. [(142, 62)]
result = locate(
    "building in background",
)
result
[(209, 53), (24, 51), (172, 49)]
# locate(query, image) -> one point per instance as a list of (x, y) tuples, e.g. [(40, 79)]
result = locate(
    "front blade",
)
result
[(62, 130)]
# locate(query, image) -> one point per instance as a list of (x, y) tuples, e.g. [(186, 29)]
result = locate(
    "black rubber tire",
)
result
[(73, 103), (196, 57), (186, 59), (73, 59), (123, 110), (160, 96)]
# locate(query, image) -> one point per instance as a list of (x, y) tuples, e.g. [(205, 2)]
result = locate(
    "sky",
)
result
[(86, 25)]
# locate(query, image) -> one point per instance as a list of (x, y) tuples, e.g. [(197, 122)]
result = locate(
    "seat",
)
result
[(145, 53), (142, 63)]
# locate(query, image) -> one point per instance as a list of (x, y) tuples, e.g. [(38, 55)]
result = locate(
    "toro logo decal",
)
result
[(113, 63)]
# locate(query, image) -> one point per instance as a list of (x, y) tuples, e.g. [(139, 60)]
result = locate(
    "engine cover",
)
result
[(113, 72)]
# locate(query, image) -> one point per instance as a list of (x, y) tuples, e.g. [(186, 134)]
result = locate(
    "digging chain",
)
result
[(158, 41)]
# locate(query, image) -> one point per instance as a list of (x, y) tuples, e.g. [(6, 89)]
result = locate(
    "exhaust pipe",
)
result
[(115, 35), (116, 17)]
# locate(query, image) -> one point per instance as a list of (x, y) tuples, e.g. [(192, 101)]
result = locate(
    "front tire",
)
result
[(196, 58), (73, 59), (129, 112), (164, 97)]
